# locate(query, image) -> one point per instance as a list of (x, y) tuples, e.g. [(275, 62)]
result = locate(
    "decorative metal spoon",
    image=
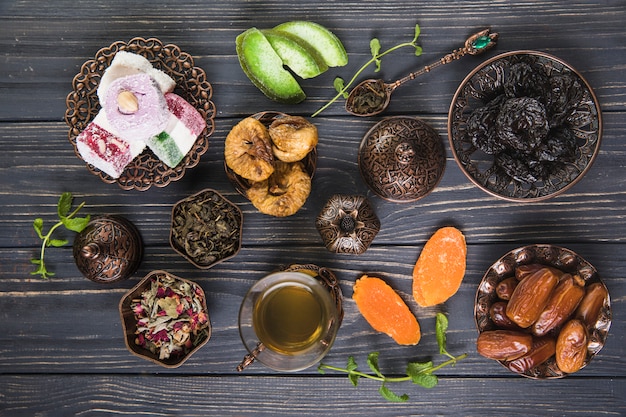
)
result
[(371, 97)]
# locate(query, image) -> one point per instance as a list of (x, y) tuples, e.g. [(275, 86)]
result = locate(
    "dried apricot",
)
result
[(440, 267), (385, 311)]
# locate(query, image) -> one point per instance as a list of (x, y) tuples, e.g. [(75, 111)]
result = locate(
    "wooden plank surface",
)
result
[(61, 346)]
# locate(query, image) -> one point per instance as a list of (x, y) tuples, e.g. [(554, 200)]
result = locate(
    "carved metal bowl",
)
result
[(480, 86), (206, 228), (347, 224), (401, 159), (130, 323), (242, 184), (553, 256), (82, 103)]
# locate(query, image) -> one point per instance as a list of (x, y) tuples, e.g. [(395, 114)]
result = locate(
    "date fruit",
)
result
[(505, 288), (531, 296), (571, 346), (497, 313), (589, 308), (562, 303), (542, 349), (503, 345)]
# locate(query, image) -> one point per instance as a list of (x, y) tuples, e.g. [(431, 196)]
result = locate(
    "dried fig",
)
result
[(503, 345), (571, 346), (293, 137), (284, 192), (248, 150), (531, 296)]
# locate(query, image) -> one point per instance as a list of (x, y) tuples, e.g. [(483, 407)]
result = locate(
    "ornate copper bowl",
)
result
[(585, 122), (82, 103)]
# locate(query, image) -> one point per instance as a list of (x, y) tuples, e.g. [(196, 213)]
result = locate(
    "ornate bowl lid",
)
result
[(108, 250), (402, 159)]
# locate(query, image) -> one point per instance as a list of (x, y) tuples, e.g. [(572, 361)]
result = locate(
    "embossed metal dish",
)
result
[(129, 322), (554, 256), (478, 86), (82, 103), (401, 159), (267, 117), (207, 249)]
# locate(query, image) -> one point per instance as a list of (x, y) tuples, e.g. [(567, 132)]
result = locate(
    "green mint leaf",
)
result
[(351, 366), (76, 224), (354, 379), (65, 204), (418, 50), (414, 369), (375, 49), (35, 261), (417, 33), (320, 369), (389, 395), (441, 326), (372, 362), (38, 226), (339, 85), (426, 380), (57, 243)]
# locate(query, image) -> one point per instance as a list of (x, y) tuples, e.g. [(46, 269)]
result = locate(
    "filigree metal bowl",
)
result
[(130, 322), (206, 228), (82, 103), (553, 256), (479, 87), (241, 184), (401, 159)]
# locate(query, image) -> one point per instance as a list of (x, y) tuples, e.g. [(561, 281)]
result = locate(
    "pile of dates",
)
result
[(526, 122), (541, 313)]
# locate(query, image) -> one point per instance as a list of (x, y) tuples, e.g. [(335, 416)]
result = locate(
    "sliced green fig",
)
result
[(298, 55), (326, 43), (264, 67)]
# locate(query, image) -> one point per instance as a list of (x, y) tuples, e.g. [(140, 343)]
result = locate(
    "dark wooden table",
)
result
[(61, 345)]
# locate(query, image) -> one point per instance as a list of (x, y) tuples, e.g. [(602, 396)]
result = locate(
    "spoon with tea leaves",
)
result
[(372, 96)]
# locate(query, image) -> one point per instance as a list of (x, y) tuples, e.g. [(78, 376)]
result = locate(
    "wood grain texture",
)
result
[(61, 346)]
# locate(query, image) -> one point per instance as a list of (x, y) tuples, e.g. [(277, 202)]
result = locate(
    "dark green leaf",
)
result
[(38, 225), (375, 49), (76, 224), (64, 205), (426, 380), (351, 366), (354, 378), (57, 243), (372, 362), (413, 369), (441, 326), (389, 395)]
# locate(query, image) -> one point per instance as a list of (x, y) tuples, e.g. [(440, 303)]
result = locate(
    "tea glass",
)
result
[(289, 319)]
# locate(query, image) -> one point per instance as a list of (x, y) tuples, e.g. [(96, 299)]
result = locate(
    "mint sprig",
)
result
[(66, 219), (342, 88), (419, 373)]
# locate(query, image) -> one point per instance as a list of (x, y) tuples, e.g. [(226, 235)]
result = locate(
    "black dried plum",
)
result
[(520, 169), (522, 124), (481, 127), (524, 80), (560, 145), (563, 98)]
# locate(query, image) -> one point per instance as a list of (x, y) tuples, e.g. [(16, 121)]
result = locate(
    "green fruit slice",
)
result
[(326, 43), (264, 68), (303, 60)]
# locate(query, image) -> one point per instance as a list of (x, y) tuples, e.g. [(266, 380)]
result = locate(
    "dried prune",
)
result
[(481, 127), (525, 80), (560, 145), (563, 97), (522, 123), (519, 168)]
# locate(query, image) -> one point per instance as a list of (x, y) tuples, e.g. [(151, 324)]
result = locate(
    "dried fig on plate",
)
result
[(248, 150), (293, 137), (284, 192)]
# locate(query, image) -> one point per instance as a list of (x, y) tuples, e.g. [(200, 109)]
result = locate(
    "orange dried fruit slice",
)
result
[(440, 268), (383, 308)]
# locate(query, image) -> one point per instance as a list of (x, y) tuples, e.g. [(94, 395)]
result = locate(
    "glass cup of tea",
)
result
[(288, 320)]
